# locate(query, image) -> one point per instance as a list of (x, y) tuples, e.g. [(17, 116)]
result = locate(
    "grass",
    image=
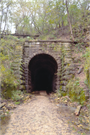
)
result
[(17, 103)]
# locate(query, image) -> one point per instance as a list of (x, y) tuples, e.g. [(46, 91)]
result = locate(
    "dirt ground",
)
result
[(38, 116)]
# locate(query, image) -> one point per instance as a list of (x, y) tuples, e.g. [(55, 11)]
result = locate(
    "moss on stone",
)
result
[(63, 93), (61, 88)]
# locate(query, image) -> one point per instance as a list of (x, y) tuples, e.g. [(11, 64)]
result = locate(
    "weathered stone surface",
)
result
[(64, 83), (68, 72), (67, 77), (2, 104), (61, 52), (77, 111), (64, 88), (80, 70), (26, 44), (67, 60)]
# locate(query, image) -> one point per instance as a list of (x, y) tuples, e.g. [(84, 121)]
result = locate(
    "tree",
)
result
[(5, 7), (43, 17), (69, 21)]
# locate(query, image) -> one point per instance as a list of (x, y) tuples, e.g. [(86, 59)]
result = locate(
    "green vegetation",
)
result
[(75, 92), (17, 95), (48, 19), (17, 103), (10, 63), (87, 66)]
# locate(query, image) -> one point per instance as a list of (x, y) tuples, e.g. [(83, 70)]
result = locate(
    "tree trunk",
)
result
[(69, 21)]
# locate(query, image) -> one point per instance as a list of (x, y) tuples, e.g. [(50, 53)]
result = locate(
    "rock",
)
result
[(64, 88), (66, 77), (1, 112), (77, 111), (64, 83), (11, 106), (67, 60), (68, 72), (74, 65), (2, 104), (87, 37), (80, 70)]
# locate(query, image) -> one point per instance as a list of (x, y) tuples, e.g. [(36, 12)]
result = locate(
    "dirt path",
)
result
[(38, 117)]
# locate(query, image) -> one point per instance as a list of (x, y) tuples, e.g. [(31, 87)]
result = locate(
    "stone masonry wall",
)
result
[(61, 52), (67, 69)]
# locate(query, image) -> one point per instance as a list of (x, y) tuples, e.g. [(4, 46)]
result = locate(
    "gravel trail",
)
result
[(39, 116)]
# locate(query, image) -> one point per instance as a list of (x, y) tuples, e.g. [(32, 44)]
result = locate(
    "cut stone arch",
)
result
[(59, 52), (42, 73)]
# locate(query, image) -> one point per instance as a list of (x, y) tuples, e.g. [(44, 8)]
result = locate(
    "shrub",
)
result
[(16, 95), (87, 66), (75, 92), (9, 60)]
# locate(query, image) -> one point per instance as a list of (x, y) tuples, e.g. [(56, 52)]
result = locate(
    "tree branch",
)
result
[(69, 21)]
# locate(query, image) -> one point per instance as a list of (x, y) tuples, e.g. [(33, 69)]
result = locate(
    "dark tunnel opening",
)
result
[(43, 69)]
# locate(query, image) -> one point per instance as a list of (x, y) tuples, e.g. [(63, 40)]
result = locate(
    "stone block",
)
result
[(66, 77), (67, 60), (26, 44), (64, 88)]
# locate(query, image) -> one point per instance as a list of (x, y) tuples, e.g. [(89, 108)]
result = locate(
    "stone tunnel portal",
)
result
[(43, 69)]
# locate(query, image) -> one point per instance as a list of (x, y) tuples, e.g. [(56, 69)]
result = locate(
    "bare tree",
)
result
[(4, 14), (69, 21)]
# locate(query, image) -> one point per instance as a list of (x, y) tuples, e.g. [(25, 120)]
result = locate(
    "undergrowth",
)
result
[(17, 95), (87, 66), (14, 95), (75, 92)]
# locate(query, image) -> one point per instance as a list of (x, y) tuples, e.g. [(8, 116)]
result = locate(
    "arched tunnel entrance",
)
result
[(43, 69)]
